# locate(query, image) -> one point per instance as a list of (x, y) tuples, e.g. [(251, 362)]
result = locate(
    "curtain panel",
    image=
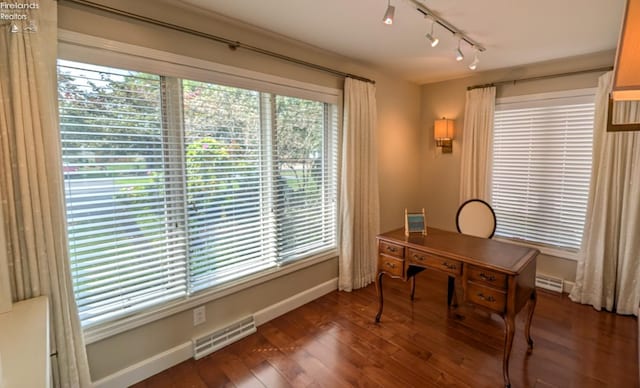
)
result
[(609, 258), (359, 215), (477, 139), (31, 191)]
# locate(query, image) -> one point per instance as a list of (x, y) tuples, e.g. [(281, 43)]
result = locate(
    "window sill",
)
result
[(24, 343), (544, 249), (102, 331)]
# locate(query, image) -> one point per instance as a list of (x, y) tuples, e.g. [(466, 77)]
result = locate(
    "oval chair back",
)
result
[(476, 218)]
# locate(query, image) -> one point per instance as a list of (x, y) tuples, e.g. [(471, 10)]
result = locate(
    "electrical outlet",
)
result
[(199, 316)]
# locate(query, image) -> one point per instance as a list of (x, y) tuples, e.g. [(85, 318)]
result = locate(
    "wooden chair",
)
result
[(476, 218)]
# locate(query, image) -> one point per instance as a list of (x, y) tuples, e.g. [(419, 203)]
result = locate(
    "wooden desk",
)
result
[(497, 276)]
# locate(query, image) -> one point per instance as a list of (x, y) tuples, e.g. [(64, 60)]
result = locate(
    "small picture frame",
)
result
[(414, 223)]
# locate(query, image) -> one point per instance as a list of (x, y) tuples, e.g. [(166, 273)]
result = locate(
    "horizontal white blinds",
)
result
[(305, 162), (225, 187), (174, 186), (541, 170), (126, 250), (260, 180)]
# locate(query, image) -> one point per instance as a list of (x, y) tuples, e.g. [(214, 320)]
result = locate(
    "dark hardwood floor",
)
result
[(334, 342)]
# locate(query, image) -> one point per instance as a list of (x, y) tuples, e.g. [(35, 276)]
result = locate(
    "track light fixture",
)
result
[(459, 54), (388, 15), (474, 64), (434, 41)]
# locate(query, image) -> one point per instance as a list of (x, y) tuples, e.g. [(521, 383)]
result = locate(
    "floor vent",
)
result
[(549, 283), (213, 341)]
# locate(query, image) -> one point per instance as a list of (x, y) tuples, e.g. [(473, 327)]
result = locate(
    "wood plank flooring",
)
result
[(334, 342)]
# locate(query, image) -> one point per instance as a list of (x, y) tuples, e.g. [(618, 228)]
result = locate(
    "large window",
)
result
[(542, 150), (174, 186)]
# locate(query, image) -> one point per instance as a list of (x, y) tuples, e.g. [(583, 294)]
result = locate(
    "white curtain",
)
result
[(359, 197), (31, 190), (476, 158), (609, 265)]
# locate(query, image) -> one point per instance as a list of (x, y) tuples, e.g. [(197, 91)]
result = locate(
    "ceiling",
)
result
[(514, 32)]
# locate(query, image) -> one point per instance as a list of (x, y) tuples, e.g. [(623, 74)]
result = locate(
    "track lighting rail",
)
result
[(447, 26)]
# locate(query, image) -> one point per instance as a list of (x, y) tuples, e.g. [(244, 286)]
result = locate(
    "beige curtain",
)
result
[(5, 289), (609, 262), (31, 191), (359, 197), (477, 150)]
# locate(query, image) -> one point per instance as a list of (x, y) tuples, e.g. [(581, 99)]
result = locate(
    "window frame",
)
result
[(530, 100), (84, 48)]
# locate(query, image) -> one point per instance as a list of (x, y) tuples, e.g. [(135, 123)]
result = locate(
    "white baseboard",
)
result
[(265, 315), (156, 364), (568, 286)]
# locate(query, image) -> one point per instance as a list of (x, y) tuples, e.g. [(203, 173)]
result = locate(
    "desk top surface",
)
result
[(502, 256)]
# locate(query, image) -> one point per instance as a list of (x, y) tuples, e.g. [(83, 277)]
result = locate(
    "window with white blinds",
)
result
[(542, 150), (303, 146), (175, 186), (225, 188)]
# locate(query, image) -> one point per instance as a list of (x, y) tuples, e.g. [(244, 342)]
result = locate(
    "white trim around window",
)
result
[(90, 49), (546, 99), (100, 332), (545, 250)]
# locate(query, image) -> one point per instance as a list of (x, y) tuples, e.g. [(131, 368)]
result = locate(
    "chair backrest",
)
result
[(476, 218)]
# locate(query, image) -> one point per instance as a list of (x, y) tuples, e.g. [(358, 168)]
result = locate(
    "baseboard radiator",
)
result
[(210, 342), (550, 283)]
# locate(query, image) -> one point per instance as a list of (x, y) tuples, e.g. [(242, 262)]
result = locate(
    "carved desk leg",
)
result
[(413, 286), (380, 298), (452, 300), (509, 330), (527, 329)]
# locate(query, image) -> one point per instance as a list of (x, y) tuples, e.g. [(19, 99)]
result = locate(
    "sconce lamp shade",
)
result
[(443, 129), (443, 133), (626, 82)]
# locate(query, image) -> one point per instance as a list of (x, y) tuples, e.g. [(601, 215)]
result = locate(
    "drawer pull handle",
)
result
[(390, 265), (391, 249), (449, 265), (486, 298), (418, 257), (489, 278)]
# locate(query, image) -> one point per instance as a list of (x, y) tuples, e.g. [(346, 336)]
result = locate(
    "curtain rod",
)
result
[(514, 81), (232, 44)]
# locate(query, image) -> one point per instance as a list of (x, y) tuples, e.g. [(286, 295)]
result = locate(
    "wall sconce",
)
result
[(443, 133)]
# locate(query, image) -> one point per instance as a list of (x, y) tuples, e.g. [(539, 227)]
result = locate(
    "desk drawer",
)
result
[(487, 277), (491, 298), (391, 265), (424, 259), (391, 249)]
